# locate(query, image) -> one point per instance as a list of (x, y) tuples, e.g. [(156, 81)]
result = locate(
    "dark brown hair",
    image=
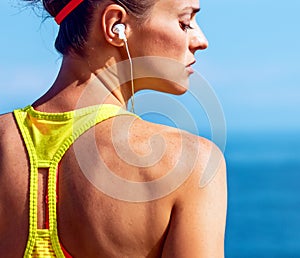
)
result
[(74, 29)]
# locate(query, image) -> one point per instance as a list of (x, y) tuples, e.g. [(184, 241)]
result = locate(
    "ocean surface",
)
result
[(263, 219)]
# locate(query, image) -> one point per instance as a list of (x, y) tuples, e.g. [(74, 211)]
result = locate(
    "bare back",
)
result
[(168, 219)]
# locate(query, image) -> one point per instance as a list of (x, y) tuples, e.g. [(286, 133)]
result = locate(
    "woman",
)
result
[(99, 181)]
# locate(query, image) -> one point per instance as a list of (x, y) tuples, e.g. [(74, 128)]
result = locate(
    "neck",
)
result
[(80, 84)]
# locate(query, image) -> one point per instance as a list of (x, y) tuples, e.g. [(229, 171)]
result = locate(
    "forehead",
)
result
[(177, 5)]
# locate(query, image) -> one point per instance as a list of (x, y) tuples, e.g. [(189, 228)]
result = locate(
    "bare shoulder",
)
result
[(201, 151), (196, 157), (8, 136), (198, 172), (7, 129), (157, 151), (11, 147)]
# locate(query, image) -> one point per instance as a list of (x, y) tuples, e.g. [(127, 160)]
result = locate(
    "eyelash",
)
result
[(185, 27)]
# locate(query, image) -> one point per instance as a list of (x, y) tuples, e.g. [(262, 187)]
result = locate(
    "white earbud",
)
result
[(120, 30)]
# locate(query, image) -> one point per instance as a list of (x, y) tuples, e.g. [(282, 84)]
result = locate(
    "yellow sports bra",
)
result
[(47, 137)]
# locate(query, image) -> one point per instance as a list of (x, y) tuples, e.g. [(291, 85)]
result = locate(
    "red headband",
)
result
[(67, 10)]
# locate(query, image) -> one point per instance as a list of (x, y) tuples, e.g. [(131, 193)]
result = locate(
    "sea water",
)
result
[(263, 219)]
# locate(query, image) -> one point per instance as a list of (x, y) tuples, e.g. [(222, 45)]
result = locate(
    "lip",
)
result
[(189, 68), (191, 63)]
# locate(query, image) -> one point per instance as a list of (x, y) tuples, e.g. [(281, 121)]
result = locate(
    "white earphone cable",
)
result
[(131, 76)]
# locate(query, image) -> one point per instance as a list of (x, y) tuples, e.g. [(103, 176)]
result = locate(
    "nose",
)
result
[(198, 41)]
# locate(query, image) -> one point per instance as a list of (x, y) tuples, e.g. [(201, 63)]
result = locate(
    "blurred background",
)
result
[(253, 66)]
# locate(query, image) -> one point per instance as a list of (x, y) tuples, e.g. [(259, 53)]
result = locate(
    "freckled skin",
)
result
[(188, 221)]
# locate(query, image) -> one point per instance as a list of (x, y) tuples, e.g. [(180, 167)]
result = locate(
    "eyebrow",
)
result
[(194, 9)]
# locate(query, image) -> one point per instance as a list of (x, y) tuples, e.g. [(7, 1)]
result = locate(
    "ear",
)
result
[(112, 15)]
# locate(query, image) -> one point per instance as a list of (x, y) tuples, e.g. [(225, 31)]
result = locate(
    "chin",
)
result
[(177, 90), (180, 92), (174, 88), (163, 85)]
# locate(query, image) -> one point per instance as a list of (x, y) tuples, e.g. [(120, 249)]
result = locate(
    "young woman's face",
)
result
[(171, 32)]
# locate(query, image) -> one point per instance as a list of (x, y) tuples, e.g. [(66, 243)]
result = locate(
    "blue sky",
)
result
[(253, 60)]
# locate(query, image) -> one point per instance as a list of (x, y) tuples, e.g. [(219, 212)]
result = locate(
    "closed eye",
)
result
[(185, 26)]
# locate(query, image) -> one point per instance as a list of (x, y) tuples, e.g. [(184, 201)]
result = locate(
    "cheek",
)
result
[(166, 41)]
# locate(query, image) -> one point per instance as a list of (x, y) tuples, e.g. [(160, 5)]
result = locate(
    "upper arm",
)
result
[(198, 217)]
